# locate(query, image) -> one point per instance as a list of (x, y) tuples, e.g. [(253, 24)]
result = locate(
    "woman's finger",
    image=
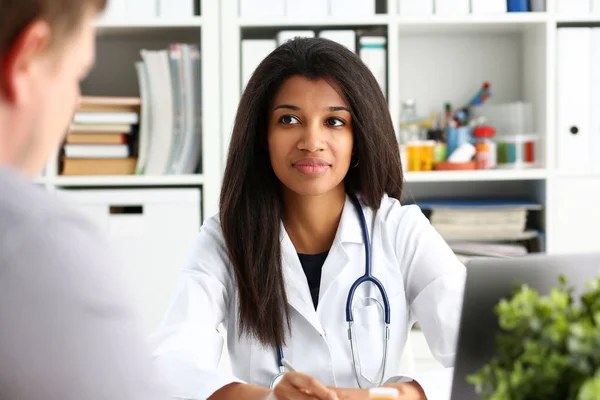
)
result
[(310, 386), (285, 391)]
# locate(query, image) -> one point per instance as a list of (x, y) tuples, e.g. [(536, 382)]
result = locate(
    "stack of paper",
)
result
[(481, 220), (486, 228)]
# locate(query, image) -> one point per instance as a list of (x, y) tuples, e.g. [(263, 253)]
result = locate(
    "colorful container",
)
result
[(517, 151), (440, 148), (457, 137), (420, 155), (485, 147)]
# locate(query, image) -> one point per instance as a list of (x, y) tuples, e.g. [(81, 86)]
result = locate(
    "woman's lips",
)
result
[(311, 166)]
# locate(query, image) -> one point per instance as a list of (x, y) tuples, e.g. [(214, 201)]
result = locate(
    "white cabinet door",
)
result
[(153, 231), (575, 215)]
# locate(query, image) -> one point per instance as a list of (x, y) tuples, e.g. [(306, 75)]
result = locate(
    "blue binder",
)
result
[(518, 5)]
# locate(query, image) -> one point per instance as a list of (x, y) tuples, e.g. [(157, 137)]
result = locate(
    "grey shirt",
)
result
[(66, 328)]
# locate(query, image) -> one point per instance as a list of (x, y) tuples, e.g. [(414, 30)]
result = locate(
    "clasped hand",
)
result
[(298, 386)]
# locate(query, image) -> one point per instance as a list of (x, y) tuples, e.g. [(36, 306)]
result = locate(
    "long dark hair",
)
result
[(250, 204)]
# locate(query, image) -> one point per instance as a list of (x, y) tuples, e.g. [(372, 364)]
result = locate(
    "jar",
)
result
[(485, 147), (439, 149), (410, 129), (420, 155), (517, 151)]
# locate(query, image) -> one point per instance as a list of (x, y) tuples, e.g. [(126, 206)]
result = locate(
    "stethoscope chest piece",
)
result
[(276, 379)]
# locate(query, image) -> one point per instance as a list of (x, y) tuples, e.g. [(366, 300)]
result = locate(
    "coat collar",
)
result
[(349, 231)]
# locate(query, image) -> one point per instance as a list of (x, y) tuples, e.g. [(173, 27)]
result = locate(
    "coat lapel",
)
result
[(296, 285), (349, 233)]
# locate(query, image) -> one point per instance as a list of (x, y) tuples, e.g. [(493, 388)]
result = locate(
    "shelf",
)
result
[(509, 22), (287, 22), (578, 19), (577, 174), (127, 180), (476, 175), (105, 27)]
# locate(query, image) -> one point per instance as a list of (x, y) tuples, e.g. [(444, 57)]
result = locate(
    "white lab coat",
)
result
[(424, 282)]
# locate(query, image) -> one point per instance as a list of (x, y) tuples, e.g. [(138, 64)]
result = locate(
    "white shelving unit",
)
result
[(432, 59), (126, 180), (435, 59), (480, 175)]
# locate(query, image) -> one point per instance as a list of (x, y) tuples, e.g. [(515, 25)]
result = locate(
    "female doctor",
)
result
[(310, 204)]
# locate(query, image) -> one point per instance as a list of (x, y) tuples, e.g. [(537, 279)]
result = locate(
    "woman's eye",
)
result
[(334, 122), (289, 120)]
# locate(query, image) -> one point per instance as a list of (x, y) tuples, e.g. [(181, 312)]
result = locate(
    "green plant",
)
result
[(548, 348)]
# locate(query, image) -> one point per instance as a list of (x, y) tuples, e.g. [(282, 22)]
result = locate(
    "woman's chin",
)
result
[(314, 189)]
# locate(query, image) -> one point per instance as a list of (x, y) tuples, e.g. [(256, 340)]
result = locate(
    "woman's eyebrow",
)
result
[(287, 106), (338, 108)]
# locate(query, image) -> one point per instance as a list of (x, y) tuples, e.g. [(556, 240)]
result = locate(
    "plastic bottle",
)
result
[(439, 149), (485, 147), (409, 123)]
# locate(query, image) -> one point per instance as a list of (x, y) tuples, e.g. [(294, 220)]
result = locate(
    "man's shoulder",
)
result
[(26, 207)]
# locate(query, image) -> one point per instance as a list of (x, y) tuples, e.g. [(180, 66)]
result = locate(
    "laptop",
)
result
[(489, 280)]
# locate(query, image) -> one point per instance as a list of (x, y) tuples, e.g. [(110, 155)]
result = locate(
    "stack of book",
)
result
[(158, 133), (101, 137), (488, 228)]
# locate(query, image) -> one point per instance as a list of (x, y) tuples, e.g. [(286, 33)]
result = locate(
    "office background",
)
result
[(182, 65)]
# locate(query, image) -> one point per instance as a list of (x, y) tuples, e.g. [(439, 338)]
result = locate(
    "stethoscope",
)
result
[(367, 277)]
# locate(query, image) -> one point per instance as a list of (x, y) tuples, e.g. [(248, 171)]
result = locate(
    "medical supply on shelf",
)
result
[(462, 154), (457, 136), (420, 155), (439, 148), (453, 166), (485, 147), (410, 129), (516, 151), (481, 96)]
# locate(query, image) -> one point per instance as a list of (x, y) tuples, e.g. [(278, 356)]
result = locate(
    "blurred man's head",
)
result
[(46, 49)]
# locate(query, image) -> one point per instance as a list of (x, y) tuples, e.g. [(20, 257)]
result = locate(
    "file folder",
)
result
[(595, 101), (452, 7), (573, 6), (574, 66), (254, 52)]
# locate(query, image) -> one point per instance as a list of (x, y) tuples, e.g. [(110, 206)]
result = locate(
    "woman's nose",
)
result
[(313, 137)]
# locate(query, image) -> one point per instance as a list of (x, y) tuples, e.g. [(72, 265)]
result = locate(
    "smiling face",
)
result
[(310, 136)]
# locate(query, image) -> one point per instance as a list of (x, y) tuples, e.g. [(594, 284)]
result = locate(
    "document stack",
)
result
[(101, 137), (170, 139), (504, 228)]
